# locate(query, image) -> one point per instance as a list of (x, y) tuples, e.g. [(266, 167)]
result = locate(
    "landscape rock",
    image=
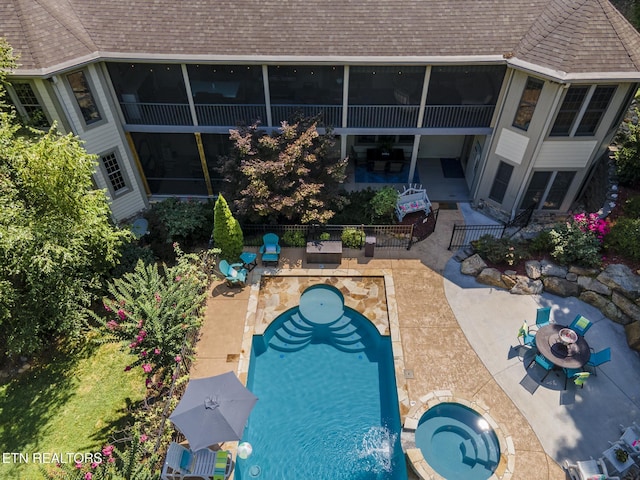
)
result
[(532, 268), (589, 272), (472, 265), (509, 280), (626, 305), (491, 276), (526, 286), (605, 305), (621, 278), (593, 285), (572, 277), (633, 335), (549, 269), (561, 287)]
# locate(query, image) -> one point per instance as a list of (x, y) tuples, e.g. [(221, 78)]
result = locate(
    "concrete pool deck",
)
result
[(456, 336)]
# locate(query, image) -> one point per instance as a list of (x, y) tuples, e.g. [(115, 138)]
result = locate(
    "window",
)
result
[(569, 110), (114, 173), (501, 182), (596, 108), (547, 190), (82, 91), (32, 112), (528, 103)]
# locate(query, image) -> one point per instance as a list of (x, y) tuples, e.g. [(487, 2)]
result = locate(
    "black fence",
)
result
[(352, 236), (463, 235)]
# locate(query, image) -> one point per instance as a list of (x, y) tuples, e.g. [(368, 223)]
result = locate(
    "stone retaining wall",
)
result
[(615, 291)]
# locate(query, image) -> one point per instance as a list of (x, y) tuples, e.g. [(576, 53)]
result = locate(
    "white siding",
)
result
[(104, 137), (512, 145), (565, 154)]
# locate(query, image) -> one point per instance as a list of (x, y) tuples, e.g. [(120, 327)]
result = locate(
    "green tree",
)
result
[(57, 242), (290, 176), (227, 234), (628, 155)]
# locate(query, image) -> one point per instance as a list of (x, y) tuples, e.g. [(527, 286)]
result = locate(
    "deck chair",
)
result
[(234, 274), (181, 463), (588, 469), (270, 249), (598, 358), (570, 373), (580, 325), (525, 338), (544, 363), (580, 378), (631, 438), (542, 316)]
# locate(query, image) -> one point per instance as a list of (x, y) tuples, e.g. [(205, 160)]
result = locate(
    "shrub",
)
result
[(325, 236), (500, 250), (383, 205), (353, 238), (591, 223), (541, 244), (628, 156), (294, 238), (186, 222), (227, 234), (131, 253), (624, 238), (573, 245), (631, 207), (356, 209)]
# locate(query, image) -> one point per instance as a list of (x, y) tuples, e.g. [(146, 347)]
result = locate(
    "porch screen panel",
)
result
[(385, 85), (465, 85), (171, 163), (216, 147)]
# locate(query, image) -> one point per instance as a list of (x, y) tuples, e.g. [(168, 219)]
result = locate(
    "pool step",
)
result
[(479, 450), (341, 323), (301, 322), (350, 347), (295, 329), (278, 343)]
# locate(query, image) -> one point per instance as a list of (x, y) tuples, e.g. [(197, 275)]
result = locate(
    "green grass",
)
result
[(71, 404)]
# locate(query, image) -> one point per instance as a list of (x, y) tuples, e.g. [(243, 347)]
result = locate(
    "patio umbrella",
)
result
[(213, 410)]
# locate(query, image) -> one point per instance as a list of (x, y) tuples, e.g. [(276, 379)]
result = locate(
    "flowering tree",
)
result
[(289, 176), (152, 309)]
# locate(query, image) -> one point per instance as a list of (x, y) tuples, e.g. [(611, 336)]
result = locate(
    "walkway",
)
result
[(457, 335)]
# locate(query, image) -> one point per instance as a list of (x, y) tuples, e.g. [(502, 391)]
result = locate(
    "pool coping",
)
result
[(505, 468)]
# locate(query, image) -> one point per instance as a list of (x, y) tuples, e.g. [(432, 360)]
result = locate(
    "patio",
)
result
[(462, 345)]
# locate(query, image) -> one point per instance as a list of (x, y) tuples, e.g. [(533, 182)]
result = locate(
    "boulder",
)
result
[(605, 305), (509, 280), (588, 272), (572, 277), (532, 268), (549, 269), (621, 278), (626, 305), (593, 285), (633, 335), (561, 287), (472, 265), (491, 276), (526, 286)]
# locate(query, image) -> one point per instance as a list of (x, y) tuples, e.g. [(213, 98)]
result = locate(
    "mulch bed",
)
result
[(423, 225)]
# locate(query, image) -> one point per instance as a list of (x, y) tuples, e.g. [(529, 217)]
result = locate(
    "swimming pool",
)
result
[(327, 405), (457, 442)]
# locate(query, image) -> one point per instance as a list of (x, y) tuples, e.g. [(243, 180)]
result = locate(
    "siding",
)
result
[(512, 145), (565, 154)]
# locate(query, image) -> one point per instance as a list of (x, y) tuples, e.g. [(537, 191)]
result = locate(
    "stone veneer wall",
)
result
[(615, 291)]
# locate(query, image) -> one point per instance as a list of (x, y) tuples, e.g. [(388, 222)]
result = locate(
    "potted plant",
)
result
[(621, 455)]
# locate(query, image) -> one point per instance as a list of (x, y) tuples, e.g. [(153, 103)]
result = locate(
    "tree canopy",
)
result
[(289, 176), (57, 242)]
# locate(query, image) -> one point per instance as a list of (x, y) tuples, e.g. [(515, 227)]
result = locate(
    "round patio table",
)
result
[(560, 352)]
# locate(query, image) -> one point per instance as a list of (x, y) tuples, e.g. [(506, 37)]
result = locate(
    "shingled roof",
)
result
[(560, 35)]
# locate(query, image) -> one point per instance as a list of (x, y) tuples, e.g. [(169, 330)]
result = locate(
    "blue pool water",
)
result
[(327, 405), (457, 442)]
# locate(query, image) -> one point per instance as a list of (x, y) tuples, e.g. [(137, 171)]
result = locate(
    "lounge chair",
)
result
[(598, 358), (234, 274), (588, 469), (270, 249), (181, 463), (580, 325)]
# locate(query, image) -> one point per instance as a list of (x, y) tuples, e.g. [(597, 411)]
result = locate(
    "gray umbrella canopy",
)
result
[(213, 410)]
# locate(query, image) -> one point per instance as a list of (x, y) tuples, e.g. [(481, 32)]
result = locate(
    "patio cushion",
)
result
[(233, 273), (187, 460), (597, 477), (270, 249), (582, 323)]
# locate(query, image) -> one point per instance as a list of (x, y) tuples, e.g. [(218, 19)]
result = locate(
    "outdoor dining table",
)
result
[(562, 346)]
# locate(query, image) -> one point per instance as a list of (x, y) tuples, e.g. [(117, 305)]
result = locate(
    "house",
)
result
[(526, 96)]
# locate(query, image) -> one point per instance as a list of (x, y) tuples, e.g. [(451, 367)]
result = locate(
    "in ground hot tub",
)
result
[(457, 442)]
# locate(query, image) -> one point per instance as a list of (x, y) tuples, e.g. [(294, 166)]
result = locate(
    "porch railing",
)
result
[(457, 116), (230, 115), (383, 116), (156, 113), (331, 114)]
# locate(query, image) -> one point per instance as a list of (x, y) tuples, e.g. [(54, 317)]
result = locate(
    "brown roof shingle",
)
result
[(566, 35)]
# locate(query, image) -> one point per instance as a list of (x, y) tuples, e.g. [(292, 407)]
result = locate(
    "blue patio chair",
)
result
[(270, 249), (544, 363), (525, 338), (580, 378), (542, 316), (205, 464), (570, 373), (598, 358), (580, 325), (234, 274)]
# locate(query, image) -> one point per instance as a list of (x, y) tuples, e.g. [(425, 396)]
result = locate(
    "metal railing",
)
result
[(387, 236), (457, 116), (156, 113), (230, 115), (463, 235), (383, 116), (331, 115)]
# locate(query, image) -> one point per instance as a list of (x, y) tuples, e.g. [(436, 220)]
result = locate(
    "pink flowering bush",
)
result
[(592, 223), (151, 309)]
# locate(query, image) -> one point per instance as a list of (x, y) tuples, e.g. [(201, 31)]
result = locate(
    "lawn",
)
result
[(70, 405)]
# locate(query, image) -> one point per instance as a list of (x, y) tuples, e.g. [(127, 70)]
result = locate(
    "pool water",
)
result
[(327, 405), (457, 442)]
